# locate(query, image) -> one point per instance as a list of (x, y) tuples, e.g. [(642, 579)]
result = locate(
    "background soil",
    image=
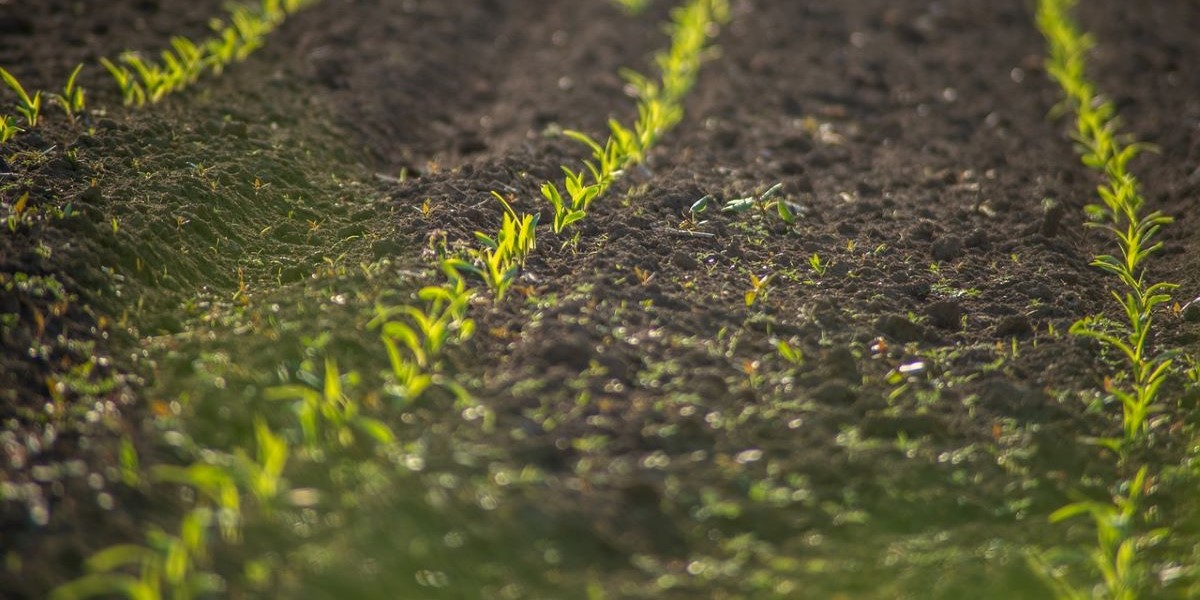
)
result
[(647, 441)]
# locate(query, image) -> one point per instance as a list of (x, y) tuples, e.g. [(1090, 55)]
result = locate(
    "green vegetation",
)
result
[(71, 100), (659, 106), (30, 107), (766, 203), (1120, 525), (759, 287), (327, 416), (8, 128), (143, 79), (501, 256), (1122, 213)]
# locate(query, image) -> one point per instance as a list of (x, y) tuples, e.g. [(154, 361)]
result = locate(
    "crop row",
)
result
[(1121, 523), (415, 336), (142, 79)]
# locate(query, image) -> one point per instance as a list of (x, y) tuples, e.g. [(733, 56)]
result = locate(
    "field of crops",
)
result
[(599, 299)]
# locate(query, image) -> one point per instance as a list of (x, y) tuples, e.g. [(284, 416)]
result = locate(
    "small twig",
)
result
[(686, 233)]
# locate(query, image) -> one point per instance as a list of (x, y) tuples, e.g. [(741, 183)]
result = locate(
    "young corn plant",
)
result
[(1118, 543), (1121, 213), (818, 265), (8, 128), (567, 211), (500, 257), (168, 565), (691, 217), (759, 287), (28, 106), (765, 204), (71, 100), (132, 92), (415, 336), (329, 409), (175, 565)]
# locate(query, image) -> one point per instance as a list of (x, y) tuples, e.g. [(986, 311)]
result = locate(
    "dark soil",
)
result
[(644, 438)]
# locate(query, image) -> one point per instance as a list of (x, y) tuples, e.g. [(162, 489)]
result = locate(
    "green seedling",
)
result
[(564, 214), (758, 289), (818, 266), (222, 50), (18, 214), (329, 409), (1117, 543), (154, 79), (1121, 212), (128, 460), (264, 472), (499, 258), (215, 483), (607, 159), (8, 128), (659, 108), (186, 61), (71, 100), (168, 565), (766, 203), (790, 353), (131, 91), (30, 107), (691, 217), (190, 58)]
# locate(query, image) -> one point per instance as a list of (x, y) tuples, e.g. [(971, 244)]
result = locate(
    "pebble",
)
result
[(945, 314), (1014, 326), (899, 329), (947, 247)]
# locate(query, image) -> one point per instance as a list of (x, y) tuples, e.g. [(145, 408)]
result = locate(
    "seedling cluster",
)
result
[(28, 106), (144, 80), (659, 105)]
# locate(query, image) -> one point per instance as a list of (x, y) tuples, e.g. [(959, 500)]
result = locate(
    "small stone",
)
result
[(913, 426), (684, 260), (945, 314), (834, 391), (236, 129), (840, 363), (91, 195), (1052, 216), (899, 329), (386, 248), (1014, 326), (1191, 313), (978, 238), (1011, 398), (947, 247)]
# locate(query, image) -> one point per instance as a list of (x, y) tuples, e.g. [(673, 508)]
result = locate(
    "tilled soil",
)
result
[(645, 439)]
